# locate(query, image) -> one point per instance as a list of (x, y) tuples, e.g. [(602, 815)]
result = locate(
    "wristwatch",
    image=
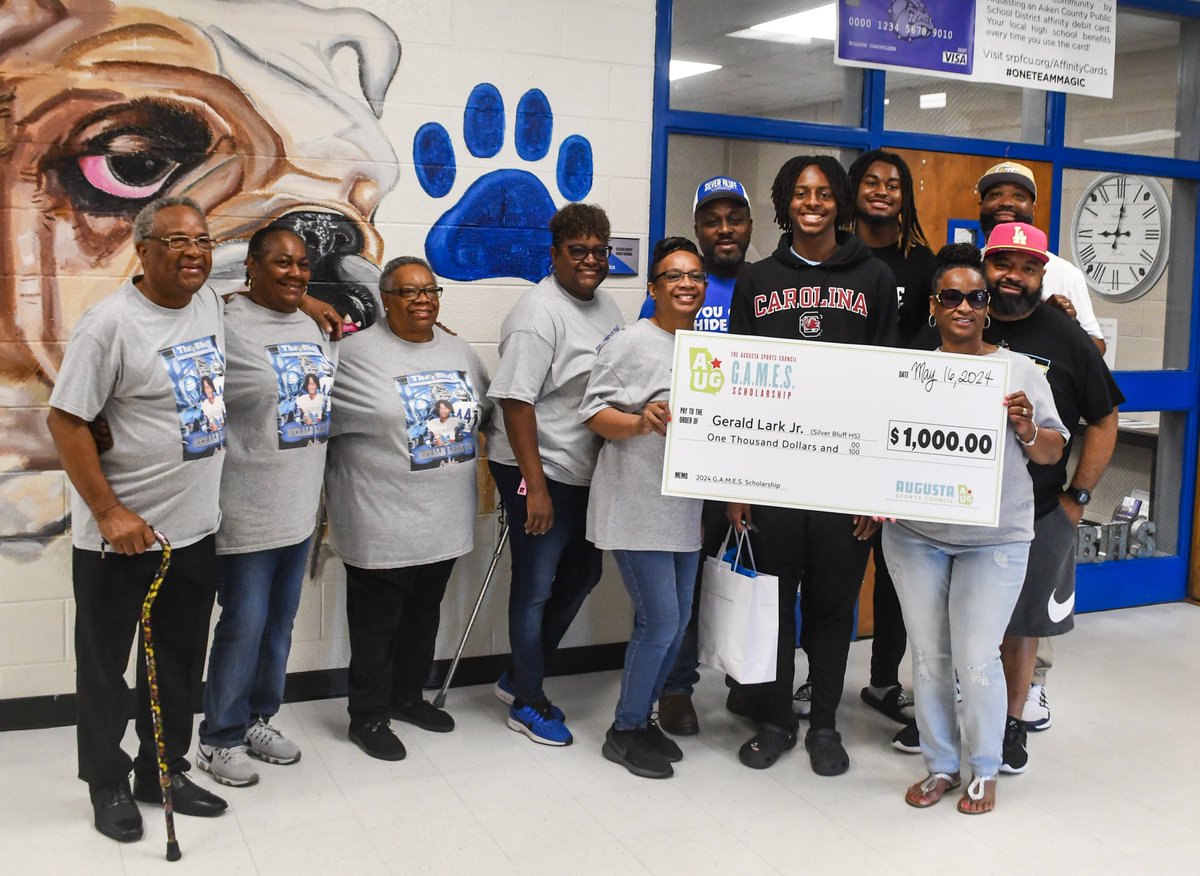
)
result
[(1081, 497)]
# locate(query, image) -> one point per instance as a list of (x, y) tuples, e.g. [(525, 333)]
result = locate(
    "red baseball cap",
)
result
[(1017, 237)]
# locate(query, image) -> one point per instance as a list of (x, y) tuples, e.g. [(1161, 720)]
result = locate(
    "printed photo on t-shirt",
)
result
[(304, 379), (441, 412), (196, 370)]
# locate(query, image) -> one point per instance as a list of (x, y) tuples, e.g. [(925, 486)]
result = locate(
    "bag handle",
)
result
[(744, 538)]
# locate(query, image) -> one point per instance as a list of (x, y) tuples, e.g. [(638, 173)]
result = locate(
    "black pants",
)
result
[(393, 617), (817, 552), (890, 637), (108, 606)]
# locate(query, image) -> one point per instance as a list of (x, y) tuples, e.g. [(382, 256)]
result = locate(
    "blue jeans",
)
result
[(259, 593), (685, 674), (957, 602), (552, 574), (660, 583)]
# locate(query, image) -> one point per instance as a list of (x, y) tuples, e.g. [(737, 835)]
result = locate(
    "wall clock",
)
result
[(1120, 235)]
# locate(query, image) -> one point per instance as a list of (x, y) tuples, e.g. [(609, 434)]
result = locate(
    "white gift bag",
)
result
[(739, 616)]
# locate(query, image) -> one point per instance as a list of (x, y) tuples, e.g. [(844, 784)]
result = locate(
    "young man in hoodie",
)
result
[(791, 295)]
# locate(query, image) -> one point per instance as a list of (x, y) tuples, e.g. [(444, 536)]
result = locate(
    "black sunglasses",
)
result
[(952, 298)]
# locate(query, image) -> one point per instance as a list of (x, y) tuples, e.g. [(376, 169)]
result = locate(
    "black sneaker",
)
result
[(1015, 757), (377, 739), (907, 739), (425, 715), (117, 816), (633, 750), (662, 743)]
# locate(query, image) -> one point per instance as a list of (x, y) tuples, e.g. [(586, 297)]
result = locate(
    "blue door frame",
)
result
[(1101, 585)]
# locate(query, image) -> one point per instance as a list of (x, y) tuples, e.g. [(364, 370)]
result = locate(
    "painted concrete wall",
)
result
[(313, 110)]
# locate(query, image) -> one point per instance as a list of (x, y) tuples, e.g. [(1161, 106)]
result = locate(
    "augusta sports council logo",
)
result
[(707, 375), (934, 493)]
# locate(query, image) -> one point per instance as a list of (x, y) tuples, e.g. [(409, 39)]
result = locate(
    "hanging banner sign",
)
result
[(1051, 45)]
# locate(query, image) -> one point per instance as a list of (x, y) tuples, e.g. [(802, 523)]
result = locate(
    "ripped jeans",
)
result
[(957, 602)]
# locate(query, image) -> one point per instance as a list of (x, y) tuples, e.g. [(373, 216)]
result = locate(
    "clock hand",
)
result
[(1116, 234)]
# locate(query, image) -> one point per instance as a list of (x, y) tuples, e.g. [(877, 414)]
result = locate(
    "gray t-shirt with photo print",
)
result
[(278, 426), (398, 492), (548, 345), (151, 372)]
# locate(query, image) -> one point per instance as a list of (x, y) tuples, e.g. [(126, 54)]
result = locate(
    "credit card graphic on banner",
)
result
[(921, 34), (441, 412), (304, 378), (196, 370)]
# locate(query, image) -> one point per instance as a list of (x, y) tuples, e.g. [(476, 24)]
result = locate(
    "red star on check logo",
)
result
[(716, 363)]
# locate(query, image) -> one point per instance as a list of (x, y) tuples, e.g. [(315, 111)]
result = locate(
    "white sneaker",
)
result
[(268, 744), (802, 700), (1036, 714), (229, 766)]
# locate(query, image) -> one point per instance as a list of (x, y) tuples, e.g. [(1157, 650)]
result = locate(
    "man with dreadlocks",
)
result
[(885, 218), (791, 295)]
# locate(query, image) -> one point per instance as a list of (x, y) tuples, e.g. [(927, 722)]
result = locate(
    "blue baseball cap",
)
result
[(719, 187)]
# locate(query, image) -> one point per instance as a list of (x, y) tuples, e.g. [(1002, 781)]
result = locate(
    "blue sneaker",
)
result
[(506, 693), (539, 724)]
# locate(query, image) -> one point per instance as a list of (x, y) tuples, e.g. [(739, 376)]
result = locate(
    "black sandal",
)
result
[(766, 746), (893, 703), (826, 752)]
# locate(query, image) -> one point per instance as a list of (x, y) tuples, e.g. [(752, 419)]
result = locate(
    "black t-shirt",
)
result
[(914, 279), (1083, 387)]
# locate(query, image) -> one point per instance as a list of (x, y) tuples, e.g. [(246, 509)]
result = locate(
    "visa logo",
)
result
[(959, 58)]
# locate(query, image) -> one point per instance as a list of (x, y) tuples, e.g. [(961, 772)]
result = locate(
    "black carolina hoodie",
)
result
[(850, 298)]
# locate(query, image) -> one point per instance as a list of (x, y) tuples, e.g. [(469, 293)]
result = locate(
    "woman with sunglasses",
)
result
[(401, 508), (958, 584), (655, 539)]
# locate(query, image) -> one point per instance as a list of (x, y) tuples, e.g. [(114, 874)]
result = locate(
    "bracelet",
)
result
[(99, 515), (1032, 441)]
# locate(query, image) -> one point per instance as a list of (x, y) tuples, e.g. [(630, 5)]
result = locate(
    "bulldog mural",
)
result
[(105, 106)]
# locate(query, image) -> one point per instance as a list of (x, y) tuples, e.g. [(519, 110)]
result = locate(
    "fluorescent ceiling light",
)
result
[(818, 23), (934, 100), (1155, 136), (684, 69)]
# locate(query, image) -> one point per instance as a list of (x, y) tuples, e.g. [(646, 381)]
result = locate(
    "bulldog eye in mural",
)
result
[(497, 228), (262, 111), (105, 106)]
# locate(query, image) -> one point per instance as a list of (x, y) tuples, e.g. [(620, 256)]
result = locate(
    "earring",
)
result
[(249, 283), (932, 323), (987, 320)]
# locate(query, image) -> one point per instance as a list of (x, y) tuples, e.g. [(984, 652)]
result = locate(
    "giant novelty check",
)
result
[(836, 427)]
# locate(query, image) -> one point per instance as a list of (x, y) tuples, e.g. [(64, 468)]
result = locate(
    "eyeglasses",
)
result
[(180, 242), (409, 293), (952, 298), (673, 277), (579, 252)]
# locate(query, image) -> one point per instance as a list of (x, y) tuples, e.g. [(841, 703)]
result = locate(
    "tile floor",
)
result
[(1111, 789)]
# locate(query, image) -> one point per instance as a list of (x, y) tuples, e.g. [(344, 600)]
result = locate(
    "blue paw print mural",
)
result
[(497, 228)]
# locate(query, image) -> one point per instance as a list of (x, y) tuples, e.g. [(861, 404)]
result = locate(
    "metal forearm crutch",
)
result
[(440, 699), (164, 776)]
